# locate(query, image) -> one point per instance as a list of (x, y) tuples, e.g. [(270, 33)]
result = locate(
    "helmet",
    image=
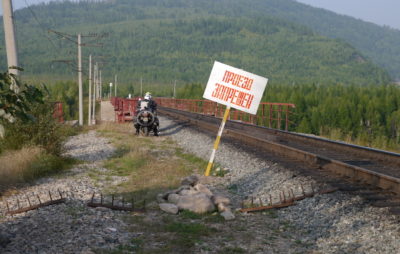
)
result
[(147, 96)]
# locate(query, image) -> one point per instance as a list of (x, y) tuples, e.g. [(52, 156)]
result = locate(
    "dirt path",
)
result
[(107, 113)]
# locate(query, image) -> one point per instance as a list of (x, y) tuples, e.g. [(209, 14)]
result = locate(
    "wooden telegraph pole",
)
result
[(115, 83), (141, 87), (174, 90), (80, 81), (90, 92), (95, 91), (9, 33), (100, 85), (80, 44)]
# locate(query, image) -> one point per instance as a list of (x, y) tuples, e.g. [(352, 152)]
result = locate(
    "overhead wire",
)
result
[(40, 24), (46, 30), (43, 29)]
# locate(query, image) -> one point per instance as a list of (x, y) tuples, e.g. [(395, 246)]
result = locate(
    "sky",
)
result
[(381, 12)]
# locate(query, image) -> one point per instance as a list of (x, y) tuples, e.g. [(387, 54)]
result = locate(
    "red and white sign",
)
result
[(235, 88)]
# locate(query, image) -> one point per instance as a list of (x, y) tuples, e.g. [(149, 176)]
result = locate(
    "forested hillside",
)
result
[(167, 40), (378, 43)]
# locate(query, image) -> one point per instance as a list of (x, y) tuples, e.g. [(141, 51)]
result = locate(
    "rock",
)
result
[(198, 203), (219, 199), (183, 187), (176, 191), (160, 198), (173, 198), (228, 215), (190, 180), (203, 189), (222, 207), (169, 208), (188, 192)]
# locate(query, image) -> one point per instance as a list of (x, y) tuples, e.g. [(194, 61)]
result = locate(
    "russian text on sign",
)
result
[(235, 88)]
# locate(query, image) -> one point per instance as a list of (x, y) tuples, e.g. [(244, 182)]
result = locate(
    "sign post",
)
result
[(234, 88)]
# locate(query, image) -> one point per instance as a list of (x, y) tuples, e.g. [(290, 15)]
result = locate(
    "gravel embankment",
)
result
[(71, 227), (330, 223)]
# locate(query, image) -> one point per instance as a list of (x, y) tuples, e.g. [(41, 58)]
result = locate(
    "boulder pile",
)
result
[(195, 197)]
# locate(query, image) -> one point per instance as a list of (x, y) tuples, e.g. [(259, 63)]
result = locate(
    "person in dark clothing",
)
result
[(148, 104)]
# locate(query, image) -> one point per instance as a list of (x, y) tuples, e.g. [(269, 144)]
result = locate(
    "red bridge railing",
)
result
[(124, 108), (273, 115), (58, 113)]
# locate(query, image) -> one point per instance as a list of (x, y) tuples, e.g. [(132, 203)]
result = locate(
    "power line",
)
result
[(40, 24), (79, 43)]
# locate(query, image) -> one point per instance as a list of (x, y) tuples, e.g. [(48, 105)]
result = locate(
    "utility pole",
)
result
[(9, 34), (80, 44), (90, 92), (115, 83), (141, 87), (174, 89), (96, 84), (110, 91), (80, 81), (95, 91), (101, 87)]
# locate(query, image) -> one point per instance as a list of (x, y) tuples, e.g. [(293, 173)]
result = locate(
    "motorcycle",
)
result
[(146, 122)]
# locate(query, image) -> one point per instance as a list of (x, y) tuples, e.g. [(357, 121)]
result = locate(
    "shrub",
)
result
[(43, 131)]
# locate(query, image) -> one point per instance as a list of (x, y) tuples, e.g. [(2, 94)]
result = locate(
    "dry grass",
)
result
[(25, 165), (152, 164), (13, 165), (113, 127)]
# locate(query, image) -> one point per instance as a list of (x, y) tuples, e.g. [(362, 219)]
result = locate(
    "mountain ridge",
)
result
[(283, 38)]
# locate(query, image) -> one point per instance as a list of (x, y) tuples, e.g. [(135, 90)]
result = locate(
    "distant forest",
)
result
[(364, 115), (167, 40)]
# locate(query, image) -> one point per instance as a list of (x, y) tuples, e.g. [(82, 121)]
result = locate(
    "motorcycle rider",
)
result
[(147, 103)]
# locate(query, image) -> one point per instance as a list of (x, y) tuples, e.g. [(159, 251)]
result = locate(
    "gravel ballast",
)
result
[(71, 227), (331, 223)]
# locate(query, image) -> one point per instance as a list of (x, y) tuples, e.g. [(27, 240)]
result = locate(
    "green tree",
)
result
[(15, 100)]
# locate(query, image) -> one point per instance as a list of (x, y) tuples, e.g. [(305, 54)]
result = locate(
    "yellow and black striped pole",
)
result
[(216, 143)]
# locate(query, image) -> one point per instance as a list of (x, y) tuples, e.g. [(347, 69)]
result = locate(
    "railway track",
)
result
[(363, 165)]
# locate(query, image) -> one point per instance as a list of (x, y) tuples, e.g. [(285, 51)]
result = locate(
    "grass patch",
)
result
[(151, 166), (195, 229), (186, 214), (214, 218), (187, 235), (128, 164), (45, 165), (120, 151), (191, 158), (27, 164)]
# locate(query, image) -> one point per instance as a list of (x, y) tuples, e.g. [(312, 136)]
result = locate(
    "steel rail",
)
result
[(371, 166)]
